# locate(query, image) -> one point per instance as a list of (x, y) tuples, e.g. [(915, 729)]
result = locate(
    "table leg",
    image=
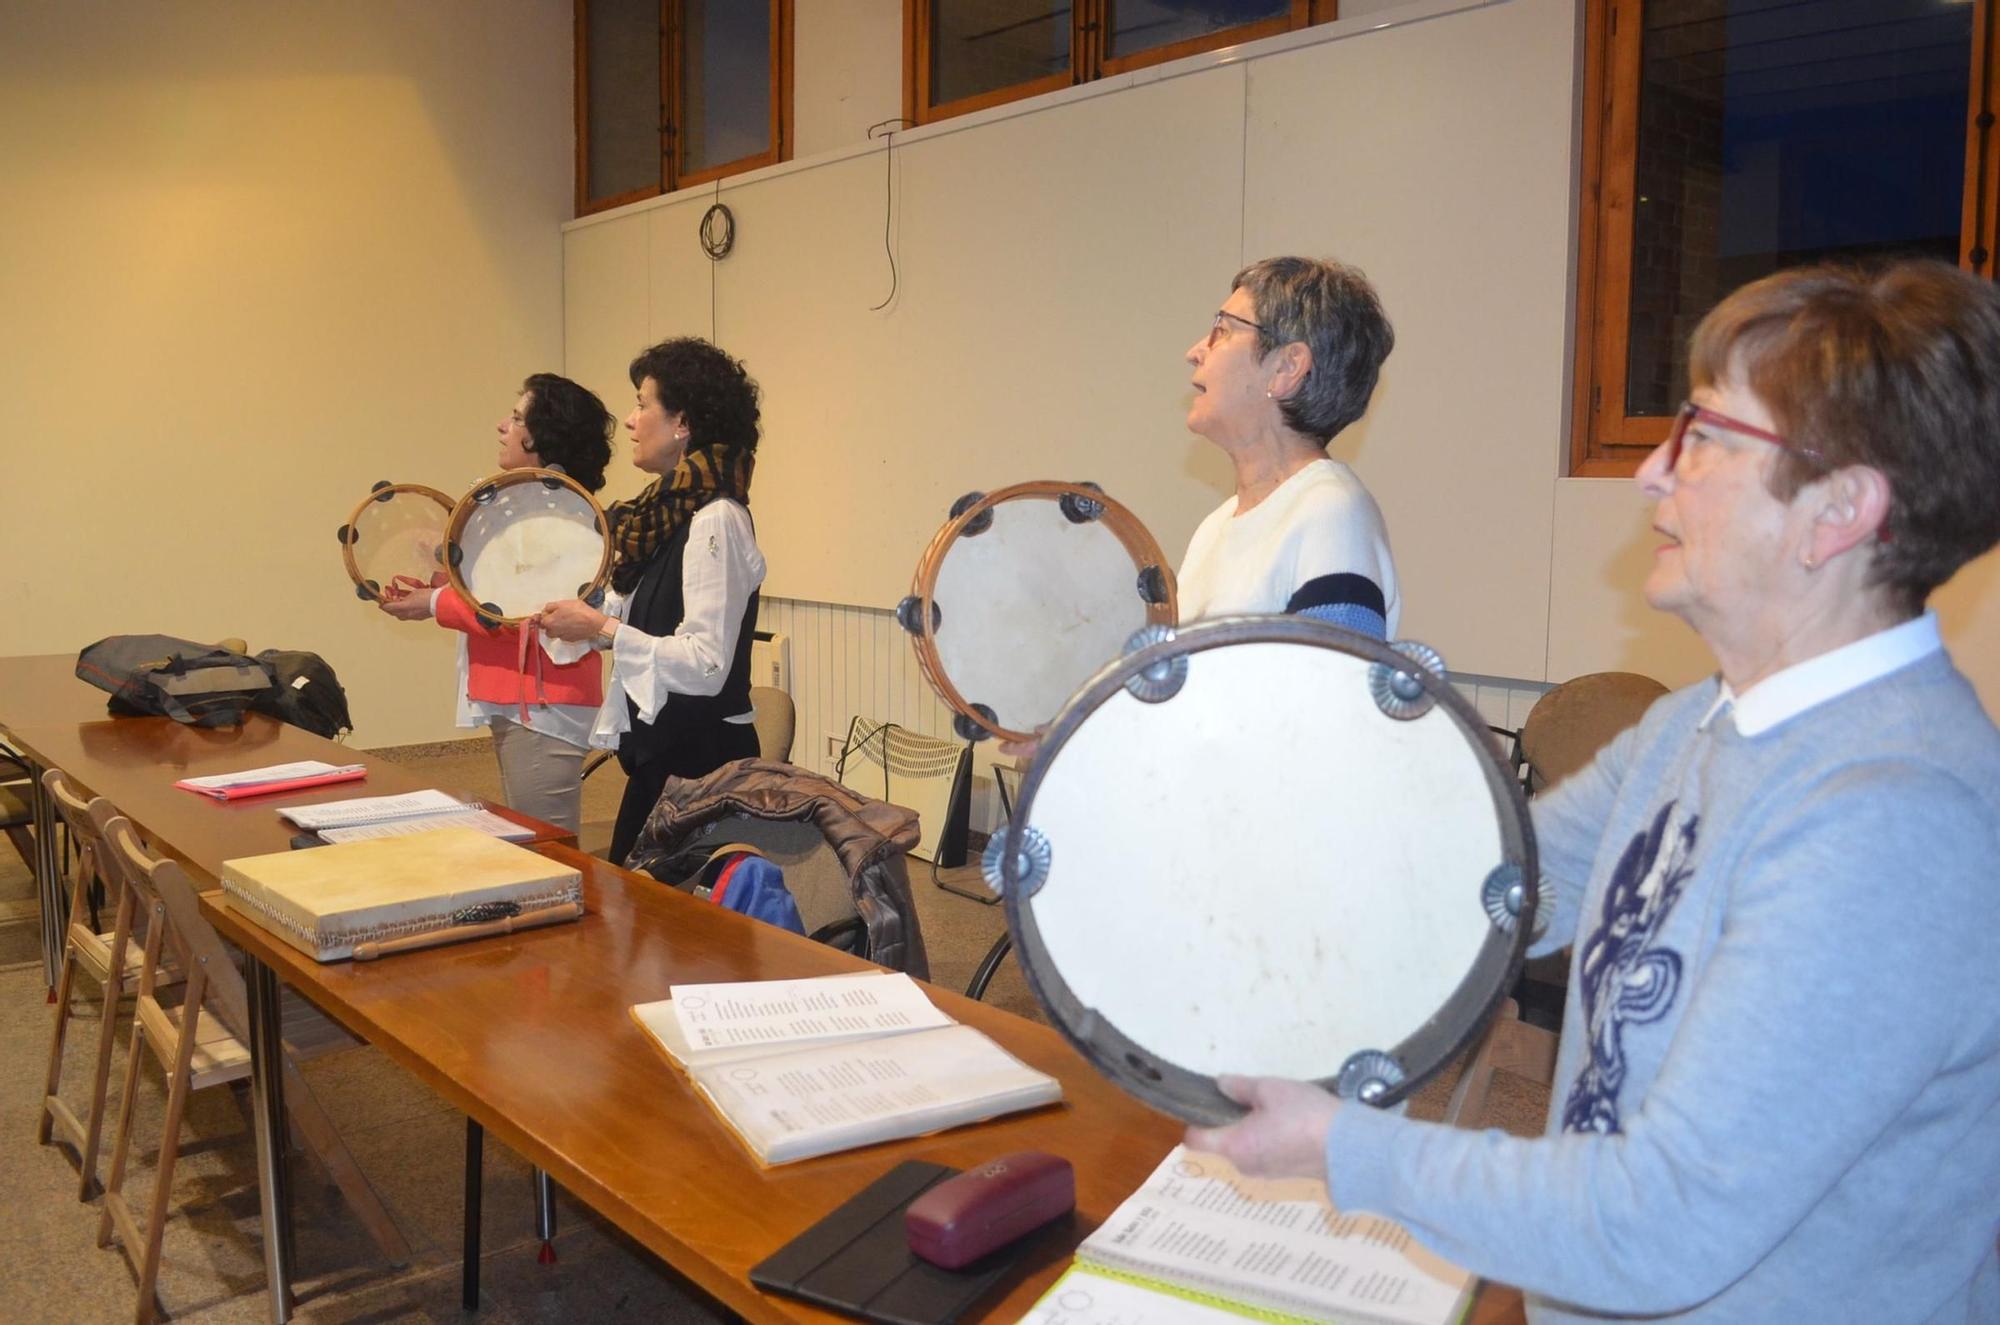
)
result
[(267, 1095), (545, 1216), (475, 1162), (48, 875)]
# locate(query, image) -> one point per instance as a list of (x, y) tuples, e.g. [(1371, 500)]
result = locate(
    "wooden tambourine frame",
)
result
[(366, 589), (970, 516), (482, 493)]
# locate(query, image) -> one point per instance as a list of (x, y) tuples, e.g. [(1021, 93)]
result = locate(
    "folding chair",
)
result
[(201, 1040), (97, 955)]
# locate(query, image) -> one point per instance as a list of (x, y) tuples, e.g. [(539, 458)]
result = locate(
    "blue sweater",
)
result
[(1778, 1093)]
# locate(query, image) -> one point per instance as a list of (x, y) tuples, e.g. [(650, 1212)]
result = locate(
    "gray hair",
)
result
[(1333, 309)]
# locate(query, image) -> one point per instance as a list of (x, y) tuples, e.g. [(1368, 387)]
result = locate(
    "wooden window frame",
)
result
[(1605, 442), (673, 172), (1087, 54)]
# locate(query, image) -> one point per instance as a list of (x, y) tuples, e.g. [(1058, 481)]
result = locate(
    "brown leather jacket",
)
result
[(869, 837)]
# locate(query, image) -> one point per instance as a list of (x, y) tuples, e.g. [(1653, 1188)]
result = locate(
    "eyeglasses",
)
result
[(1691, 414), (1220, 327)]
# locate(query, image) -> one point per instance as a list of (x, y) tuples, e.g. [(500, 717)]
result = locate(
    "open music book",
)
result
[(367, 817), (1199, 1234), (798, 1068)]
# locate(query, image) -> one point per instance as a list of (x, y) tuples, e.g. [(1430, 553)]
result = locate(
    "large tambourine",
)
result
[(1023, 594), (525, 538), (1267, 846), (390, 544)]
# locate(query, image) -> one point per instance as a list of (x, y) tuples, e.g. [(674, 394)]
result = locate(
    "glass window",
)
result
[(725, 90), (1740, 137), (621, 63), (981, 46), (1776, 134), (1146, 25)]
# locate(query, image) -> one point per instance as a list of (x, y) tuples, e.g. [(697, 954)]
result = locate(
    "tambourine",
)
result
[(1267, 846), (525, 538), (392, 539), (1023, 594)]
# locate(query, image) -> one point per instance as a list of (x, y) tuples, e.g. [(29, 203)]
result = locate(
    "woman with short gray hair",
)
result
[(1290, 359)]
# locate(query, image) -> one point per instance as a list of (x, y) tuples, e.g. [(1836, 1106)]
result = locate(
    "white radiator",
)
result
[(771, 661)]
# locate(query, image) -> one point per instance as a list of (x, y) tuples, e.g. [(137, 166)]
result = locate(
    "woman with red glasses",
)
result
[(1777, 1096)]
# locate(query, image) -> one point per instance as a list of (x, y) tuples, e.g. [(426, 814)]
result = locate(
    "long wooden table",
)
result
[(530, 1035), (57, 721)]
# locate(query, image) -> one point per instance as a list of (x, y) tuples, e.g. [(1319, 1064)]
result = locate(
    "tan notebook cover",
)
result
[(325, 900)]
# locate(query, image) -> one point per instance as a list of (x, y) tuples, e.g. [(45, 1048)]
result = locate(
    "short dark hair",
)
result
[(1333, 309), (1896, 368), (706, 387), (569, 426)]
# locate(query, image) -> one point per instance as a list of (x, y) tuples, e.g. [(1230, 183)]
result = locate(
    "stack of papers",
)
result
[(277, 777), (367, 817)]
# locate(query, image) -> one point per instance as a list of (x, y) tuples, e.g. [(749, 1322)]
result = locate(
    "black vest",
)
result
[(685, 723)]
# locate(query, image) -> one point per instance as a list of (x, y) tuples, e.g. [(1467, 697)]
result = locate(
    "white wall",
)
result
[(256, 257), (1056, 256)]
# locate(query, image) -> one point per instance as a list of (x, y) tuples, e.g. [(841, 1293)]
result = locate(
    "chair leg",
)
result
[(163, 1185), (320, 1135), (42, 1128), (114, 990), (121, 1142), (989, 965)]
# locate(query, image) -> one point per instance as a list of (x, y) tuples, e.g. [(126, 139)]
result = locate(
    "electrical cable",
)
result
[(888, 128)]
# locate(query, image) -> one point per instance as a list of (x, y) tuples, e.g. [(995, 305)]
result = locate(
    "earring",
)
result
[(1808, 562), (1269, 396)]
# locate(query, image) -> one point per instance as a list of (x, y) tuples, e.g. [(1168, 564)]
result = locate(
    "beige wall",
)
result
[(1057, 255), (254, 258)]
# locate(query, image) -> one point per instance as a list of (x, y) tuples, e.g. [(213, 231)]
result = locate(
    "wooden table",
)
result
[(531, 1037), (57, 721)]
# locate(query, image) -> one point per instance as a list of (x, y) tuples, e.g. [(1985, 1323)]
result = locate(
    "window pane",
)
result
[(984, 45), (622, 79), (725, 81), (1779, 132), (1144, 25)]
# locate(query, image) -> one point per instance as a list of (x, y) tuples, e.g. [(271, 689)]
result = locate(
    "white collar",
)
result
[(1786, 694)]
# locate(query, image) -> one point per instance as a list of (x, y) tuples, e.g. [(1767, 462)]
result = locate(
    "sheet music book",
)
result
[(805, 1102), (474, 817), (273, 778), (769, 1015), (1200, 1231), (364, 810)]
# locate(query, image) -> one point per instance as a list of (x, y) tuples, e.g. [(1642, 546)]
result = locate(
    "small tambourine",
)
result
[(1271, 847), (525, 538), (1023, 594), (391, 541)]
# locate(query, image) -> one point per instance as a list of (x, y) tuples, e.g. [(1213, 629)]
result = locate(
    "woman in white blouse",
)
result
[(684, 581)]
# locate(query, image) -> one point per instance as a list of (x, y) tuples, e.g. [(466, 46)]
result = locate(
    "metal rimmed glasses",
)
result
[(1220, 326)]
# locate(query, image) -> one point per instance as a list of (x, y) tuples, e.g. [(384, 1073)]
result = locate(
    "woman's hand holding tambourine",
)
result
[(1283, 1135), (571, 619)]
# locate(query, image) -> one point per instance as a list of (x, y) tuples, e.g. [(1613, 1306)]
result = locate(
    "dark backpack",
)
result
[(199, 684), (304, 692)]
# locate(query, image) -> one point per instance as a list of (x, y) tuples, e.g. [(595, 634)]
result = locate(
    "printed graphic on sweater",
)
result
[(1628, 977)]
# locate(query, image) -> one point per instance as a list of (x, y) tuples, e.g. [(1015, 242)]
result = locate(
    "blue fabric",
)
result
[(756, 887), (1349, 616)]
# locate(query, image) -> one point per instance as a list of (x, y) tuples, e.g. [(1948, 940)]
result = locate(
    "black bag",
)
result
[(304, 692), (199, 684)]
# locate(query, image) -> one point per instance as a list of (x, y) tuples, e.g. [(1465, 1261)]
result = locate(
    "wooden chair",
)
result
[(96, 954), (1511, 1045), (200, 1040)]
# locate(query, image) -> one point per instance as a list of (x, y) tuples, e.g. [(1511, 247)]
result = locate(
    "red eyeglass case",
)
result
[(963, 1218)]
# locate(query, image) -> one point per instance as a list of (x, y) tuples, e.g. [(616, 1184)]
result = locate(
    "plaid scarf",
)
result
[(642, 526)]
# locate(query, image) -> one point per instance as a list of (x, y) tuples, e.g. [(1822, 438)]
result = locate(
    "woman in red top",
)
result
[(556, 423)]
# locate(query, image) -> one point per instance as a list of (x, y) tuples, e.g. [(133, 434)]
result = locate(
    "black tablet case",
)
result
[(858, 1259)]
